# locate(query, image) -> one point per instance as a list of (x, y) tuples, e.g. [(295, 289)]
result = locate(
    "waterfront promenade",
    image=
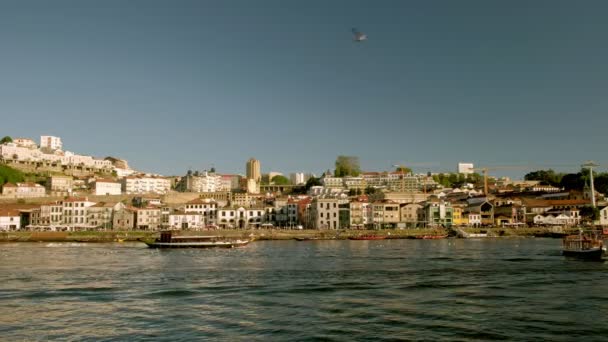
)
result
[(274, 234)]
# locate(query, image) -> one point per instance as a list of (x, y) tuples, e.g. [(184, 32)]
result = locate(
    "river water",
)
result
[(485, 289)]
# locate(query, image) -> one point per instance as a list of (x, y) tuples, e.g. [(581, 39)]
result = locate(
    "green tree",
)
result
[(403, 169), (573, 181), (600, 181), (546, 177), (312, 181), (6, 139), (590, 213), (370, 190), (347, 166), (280, 180)]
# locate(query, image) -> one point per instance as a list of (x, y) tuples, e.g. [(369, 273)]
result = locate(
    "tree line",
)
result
[(570, 181)]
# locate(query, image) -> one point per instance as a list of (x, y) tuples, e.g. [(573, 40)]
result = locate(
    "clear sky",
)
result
[(173, 85)]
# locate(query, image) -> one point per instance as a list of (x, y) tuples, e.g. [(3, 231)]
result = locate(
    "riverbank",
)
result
[(280, 234)]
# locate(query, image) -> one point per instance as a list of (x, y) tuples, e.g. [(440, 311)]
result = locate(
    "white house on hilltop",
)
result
[(107, 187)]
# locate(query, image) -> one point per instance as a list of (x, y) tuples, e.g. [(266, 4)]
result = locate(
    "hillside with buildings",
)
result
[(47, 188)]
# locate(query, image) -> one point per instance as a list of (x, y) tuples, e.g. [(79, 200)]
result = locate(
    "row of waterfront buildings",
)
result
[(383, 210)]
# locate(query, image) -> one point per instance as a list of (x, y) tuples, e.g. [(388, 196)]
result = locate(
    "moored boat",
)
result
[(168, 240), (306, 238), (583, 247), (434, 237), (367, 237)]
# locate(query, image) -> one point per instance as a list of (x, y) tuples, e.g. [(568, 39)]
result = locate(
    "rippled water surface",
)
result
[(518, 289)]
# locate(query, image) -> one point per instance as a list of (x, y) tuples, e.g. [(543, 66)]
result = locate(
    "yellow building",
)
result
[(459, 218)]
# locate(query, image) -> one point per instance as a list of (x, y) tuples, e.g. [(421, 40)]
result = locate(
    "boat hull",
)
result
[(589, 254), (434, 237), (367, 238), (231, 244)]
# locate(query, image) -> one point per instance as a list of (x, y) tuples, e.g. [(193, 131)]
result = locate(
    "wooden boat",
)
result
[(583, 247), (306, 238), (434, 237), (367, 237), (168, 240)]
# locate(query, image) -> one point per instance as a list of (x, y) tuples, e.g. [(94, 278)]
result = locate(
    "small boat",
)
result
[(168, 240), (434, 237), (583, 247), (367, 237), (479, 235), (306, 238)]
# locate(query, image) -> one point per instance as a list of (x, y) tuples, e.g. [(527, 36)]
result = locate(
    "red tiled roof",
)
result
[(550, 203), (9, 212), (76, 199), (201, 201)]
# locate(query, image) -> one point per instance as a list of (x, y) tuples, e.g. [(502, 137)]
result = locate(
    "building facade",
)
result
[(107, 187), (254, 170), (23, 190), (145, 184), (9, 220), (51, 142)]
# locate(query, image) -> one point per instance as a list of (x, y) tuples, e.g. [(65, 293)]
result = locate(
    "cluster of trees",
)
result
[(280, 180), (6, 139), (8, 174), (456, 180), (347, 166), (570, 181)]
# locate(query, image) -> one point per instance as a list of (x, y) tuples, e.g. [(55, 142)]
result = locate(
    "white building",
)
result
[(107, 187), (25, 142), (325, 213), (74, 212), (204, 182), (474, 219), (59, 184), (147, 218), (354, 183), (101, 215), (183, 220), (253, 187), (604, 216), (11, 151), (145, 184), (50, 142), (230, 182), (565, 218), (240, 217), (9, 220), (206, 208), (297, 178), (23, 190), (332, 182), (466, 168)]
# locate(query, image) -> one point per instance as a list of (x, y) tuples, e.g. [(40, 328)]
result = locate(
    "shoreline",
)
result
[(280, 234)]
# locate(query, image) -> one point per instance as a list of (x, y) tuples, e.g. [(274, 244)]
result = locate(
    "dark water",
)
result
[(517, 289)]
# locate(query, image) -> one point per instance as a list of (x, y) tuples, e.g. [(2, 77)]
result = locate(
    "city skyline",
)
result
[(201, 85)]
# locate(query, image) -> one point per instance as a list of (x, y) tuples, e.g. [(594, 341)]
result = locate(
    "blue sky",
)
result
[(173, 85)]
